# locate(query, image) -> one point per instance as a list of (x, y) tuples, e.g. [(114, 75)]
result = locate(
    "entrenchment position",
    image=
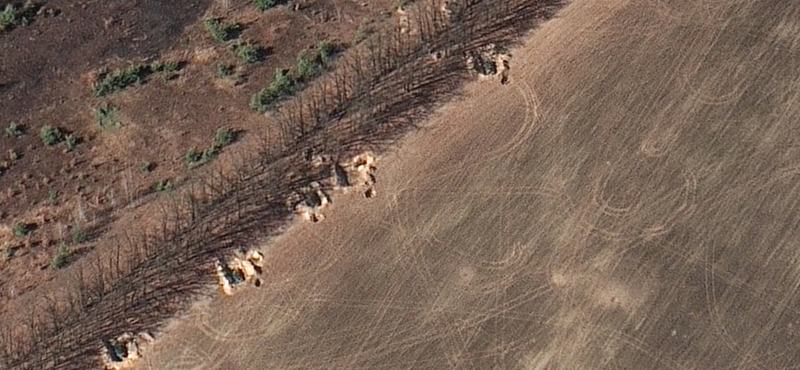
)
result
[(490, 62), (123, 351), (311, 201), (354, 174), (240, 271), (357, 174)]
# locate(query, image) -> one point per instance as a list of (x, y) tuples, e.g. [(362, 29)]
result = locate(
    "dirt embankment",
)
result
[(377, 92)]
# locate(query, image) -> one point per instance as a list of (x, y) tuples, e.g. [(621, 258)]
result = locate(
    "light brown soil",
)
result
[(628, 201)]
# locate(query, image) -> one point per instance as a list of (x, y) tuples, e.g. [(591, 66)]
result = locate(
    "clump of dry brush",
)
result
[(375, 93)]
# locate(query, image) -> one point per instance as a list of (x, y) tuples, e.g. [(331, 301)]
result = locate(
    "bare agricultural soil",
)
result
[(628, 201)]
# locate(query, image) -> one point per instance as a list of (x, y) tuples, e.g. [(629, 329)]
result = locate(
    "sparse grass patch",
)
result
[(13, 155), (362, 33), (60, 258), (21, 229), (70, 142), (52, 196), (50, 135), (79, 235), (14, 130), (106, 116), (306, 68), (221, 31)]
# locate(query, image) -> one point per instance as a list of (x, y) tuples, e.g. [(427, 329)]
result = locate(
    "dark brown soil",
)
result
[(45, 79)]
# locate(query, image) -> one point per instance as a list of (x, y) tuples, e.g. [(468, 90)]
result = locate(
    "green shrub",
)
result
[(282, 83), (220, 31), (261, 101), (14, 130), (21, 229), (50, 135), (223, 137), (326, 50), (306, 68), (13, 16), (247, 53), (119, 79), (193, 157), (106, 116), (61, 257), (170, 66), (281, 86), (8, 18)]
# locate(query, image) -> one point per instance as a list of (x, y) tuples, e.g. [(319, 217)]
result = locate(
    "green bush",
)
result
[(61, 257), (193, 157), (120, 79), (281, 86), (8, 18), (50, 135), (12, 16), (220, 31), (223, 137), (52, 196), (170, 66), (326, 50), (246, 52), (106, 116), (306, 68), (14, 130), (224, 70), (282, 83), (21, 229)]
